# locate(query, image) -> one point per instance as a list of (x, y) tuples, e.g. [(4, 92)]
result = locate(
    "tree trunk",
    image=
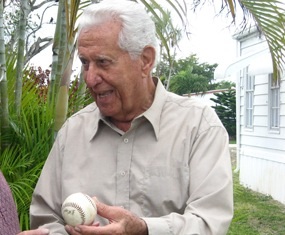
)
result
[(4, 113), (21, 55), (62, 68), (54, 77)]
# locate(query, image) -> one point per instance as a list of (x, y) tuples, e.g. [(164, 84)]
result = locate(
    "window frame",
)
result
[(273, 103), (249, 99)]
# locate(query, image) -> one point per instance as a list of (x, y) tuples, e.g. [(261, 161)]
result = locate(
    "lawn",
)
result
[(256, 213)]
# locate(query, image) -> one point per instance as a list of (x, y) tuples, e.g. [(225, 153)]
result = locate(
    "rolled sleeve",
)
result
[(157, 226)]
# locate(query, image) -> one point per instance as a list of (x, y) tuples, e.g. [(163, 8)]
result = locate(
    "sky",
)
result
[(210, 38)]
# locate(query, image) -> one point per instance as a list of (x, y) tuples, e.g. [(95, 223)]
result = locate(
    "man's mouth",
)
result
[(105, 94)]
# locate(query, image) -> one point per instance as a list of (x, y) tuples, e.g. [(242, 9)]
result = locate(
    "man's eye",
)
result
[(103, 62), (85, 64)]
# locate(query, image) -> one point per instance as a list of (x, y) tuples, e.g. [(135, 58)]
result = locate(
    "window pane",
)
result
[(274, 103)]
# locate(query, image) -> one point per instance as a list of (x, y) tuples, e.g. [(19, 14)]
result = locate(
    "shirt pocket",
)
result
[(164, 189)]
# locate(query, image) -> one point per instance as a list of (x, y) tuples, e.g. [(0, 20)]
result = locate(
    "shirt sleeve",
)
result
[(209, 209)]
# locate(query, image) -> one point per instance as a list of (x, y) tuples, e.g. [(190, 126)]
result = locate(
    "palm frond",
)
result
[(161, 15), (29, 141), (180, 9), (270, 17)]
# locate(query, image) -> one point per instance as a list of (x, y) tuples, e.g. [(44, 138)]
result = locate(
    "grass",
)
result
[(256, 213)]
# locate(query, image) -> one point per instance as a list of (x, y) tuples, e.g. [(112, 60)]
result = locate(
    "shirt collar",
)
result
[(94, 122), (153, 114)]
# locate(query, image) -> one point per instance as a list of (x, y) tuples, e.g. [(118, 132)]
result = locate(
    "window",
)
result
[(249, 88), (274, 103)]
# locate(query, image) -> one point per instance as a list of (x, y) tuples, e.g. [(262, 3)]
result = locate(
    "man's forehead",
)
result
[(110, 26)]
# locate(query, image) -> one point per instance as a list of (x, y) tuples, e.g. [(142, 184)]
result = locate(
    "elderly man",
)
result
[(156, 162)]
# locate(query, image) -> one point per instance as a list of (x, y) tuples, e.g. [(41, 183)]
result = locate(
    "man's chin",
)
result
[(106, 113)]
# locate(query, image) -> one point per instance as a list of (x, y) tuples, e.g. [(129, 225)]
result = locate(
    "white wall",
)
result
[(261, 150)]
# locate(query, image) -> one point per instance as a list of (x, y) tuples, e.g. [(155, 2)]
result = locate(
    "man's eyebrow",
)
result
[(102, 57)]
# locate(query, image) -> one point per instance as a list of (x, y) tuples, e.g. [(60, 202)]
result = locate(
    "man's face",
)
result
[(116, 82)]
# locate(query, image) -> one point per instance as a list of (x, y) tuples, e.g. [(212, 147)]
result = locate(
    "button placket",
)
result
[(124, 156)]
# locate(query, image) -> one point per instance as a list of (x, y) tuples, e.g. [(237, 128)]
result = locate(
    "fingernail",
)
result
[(95, 199), (77, 229)]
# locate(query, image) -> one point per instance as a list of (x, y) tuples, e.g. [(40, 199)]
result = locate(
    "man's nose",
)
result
[(92, 76)]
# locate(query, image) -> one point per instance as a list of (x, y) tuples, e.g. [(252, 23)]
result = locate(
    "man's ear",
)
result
[(148, 58)]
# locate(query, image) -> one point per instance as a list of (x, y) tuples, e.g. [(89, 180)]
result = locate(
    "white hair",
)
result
[(138, 29)]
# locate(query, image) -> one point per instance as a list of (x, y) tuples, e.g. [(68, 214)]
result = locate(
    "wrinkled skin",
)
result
[(122, 87), (40, 231), (121, 222)]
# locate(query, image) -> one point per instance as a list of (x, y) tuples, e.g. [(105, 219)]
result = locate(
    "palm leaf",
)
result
[(160, 15), (29, 141), (270, 17)]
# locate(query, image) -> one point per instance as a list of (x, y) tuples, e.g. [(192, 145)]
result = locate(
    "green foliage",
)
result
[(21, 171), (226, 110), (30, 134), (186, 82), (223, 85), (79, 97), (188, 75), (30, 139), (192, 61)]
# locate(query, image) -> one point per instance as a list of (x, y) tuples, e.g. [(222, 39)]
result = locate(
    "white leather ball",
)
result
[(78, 208)]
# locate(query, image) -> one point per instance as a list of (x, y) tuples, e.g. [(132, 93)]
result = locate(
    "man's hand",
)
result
[(40, 231), (121, 221)]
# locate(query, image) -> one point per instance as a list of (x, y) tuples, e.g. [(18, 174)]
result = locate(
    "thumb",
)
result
[(109, 212), (102, 209)]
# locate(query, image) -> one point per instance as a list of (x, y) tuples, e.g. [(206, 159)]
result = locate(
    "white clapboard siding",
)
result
[(261, 151), (264, 172)]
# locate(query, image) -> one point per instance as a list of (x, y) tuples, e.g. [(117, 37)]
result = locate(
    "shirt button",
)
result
[(123, 173), (126, 140)]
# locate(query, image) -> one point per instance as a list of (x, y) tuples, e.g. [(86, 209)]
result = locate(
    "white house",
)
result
[(260, 115)]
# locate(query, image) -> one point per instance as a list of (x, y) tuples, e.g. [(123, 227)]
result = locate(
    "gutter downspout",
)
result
[(238, 112), (238, 123)]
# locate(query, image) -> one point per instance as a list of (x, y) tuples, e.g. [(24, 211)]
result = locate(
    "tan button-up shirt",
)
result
[(172, 168)]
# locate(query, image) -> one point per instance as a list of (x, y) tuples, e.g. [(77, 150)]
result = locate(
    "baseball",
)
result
[(78, 208)]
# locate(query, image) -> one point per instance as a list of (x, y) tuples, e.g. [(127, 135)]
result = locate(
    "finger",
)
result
[(96, 224), (104, 210), (76, 230), (71, 230), (40, 231), (109, 229)]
